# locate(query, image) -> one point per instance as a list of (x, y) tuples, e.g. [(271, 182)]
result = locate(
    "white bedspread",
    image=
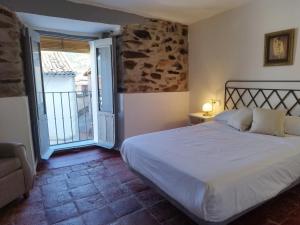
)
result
[(214, 171)]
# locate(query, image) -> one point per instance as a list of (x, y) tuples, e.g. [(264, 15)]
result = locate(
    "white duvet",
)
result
[(214, 171)]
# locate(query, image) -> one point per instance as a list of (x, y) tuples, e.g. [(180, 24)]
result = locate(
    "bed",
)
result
[(213, 172)]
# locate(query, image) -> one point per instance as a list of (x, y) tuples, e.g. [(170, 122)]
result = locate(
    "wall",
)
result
[(70, 10), (147, 112), (15, 123), (152, 77), (11, 67), (153, 57), (231, 46)]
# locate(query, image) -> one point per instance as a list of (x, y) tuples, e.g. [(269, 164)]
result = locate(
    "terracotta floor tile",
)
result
[(96, 188), (94, 163), (181, 220), (115, 193), (138, 218), (77, 173), (291, 221), (107, 154), (99, 173), (163, 211), (61, 171), (271, 223), (98, 170), (125, 206), (279, 209), (99, 217), (90, 203), (37, 218), (112, 161), (136, 185), (8, 223), (250, 220), (57, 198), (57, 178), (80, 167), (72, 221), (35, 195), (40, 181), (84, 191), (125, 176), (113, 169), (106, 183), (149, 197), (78, 181), (61, 213), (26, 207), (58, 186), (75, 158)]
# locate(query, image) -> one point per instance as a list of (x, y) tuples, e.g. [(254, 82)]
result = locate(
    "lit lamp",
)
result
[(207, 108)]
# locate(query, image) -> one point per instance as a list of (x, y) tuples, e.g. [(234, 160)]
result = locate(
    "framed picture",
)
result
[(279, 48)]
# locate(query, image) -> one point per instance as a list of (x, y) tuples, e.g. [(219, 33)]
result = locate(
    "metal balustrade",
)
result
[(69, 116)]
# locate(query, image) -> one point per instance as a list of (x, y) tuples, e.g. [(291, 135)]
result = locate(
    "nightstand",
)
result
[(196, 118)]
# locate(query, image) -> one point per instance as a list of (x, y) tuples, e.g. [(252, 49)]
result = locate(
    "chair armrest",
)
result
[(19, 151)]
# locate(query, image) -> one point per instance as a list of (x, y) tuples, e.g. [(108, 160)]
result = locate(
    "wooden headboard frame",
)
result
[(259, 95)]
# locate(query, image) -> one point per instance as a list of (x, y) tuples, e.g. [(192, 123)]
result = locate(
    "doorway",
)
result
[(66, 67), (73, 96)]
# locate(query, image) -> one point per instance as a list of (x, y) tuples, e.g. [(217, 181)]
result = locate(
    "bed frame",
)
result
[(272, 94)]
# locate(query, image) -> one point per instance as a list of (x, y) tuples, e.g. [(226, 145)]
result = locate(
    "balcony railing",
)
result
[(69, 116)]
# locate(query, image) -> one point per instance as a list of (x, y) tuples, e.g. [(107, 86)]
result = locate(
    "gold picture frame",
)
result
[(279, 48)]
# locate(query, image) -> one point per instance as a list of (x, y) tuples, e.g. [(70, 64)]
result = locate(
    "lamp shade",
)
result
[(207, 107)]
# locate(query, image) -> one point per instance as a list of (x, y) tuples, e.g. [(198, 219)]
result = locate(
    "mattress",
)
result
[(214, 171)]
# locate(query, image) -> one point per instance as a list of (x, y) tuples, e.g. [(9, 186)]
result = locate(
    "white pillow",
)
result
[(292, 125), (224, 116), (241, 119), (267, 121)]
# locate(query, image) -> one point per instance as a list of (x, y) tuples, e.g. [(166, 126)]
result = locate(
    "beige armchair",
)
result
[(16, 175)]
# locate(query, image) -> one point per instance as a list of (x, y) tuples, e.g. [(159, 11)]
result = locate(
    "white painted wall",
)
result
[(231, 46), (142, 113), (15, 123)]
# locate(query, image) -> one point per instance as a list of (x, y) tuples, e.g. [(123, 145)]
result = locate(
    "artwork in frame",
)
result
[(279, 48)]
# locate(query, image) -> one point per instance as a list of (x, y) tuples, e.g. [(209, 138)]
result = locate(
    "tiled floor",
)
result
[(105, 192)]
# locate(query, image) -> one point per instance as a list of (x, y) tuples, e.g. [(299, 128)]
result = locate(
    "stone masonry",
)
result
[(153, 57), (11, 67)]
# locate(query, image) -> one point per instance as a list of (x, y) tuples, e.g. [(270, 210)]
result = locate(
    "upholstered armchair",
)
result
[(16, 175)]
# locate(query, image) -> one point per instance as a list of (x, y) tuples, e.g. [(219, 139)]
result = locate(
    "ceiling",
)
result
[(66, 26), (184, 11)]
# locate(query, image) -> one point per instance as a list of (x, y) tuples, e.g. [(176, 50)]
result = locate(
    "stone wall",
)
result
[(153, 57), (11, 67)]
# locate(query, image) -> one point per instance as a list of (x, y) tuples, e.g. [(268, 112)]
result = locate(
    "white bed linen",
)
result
[(213, 170)]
